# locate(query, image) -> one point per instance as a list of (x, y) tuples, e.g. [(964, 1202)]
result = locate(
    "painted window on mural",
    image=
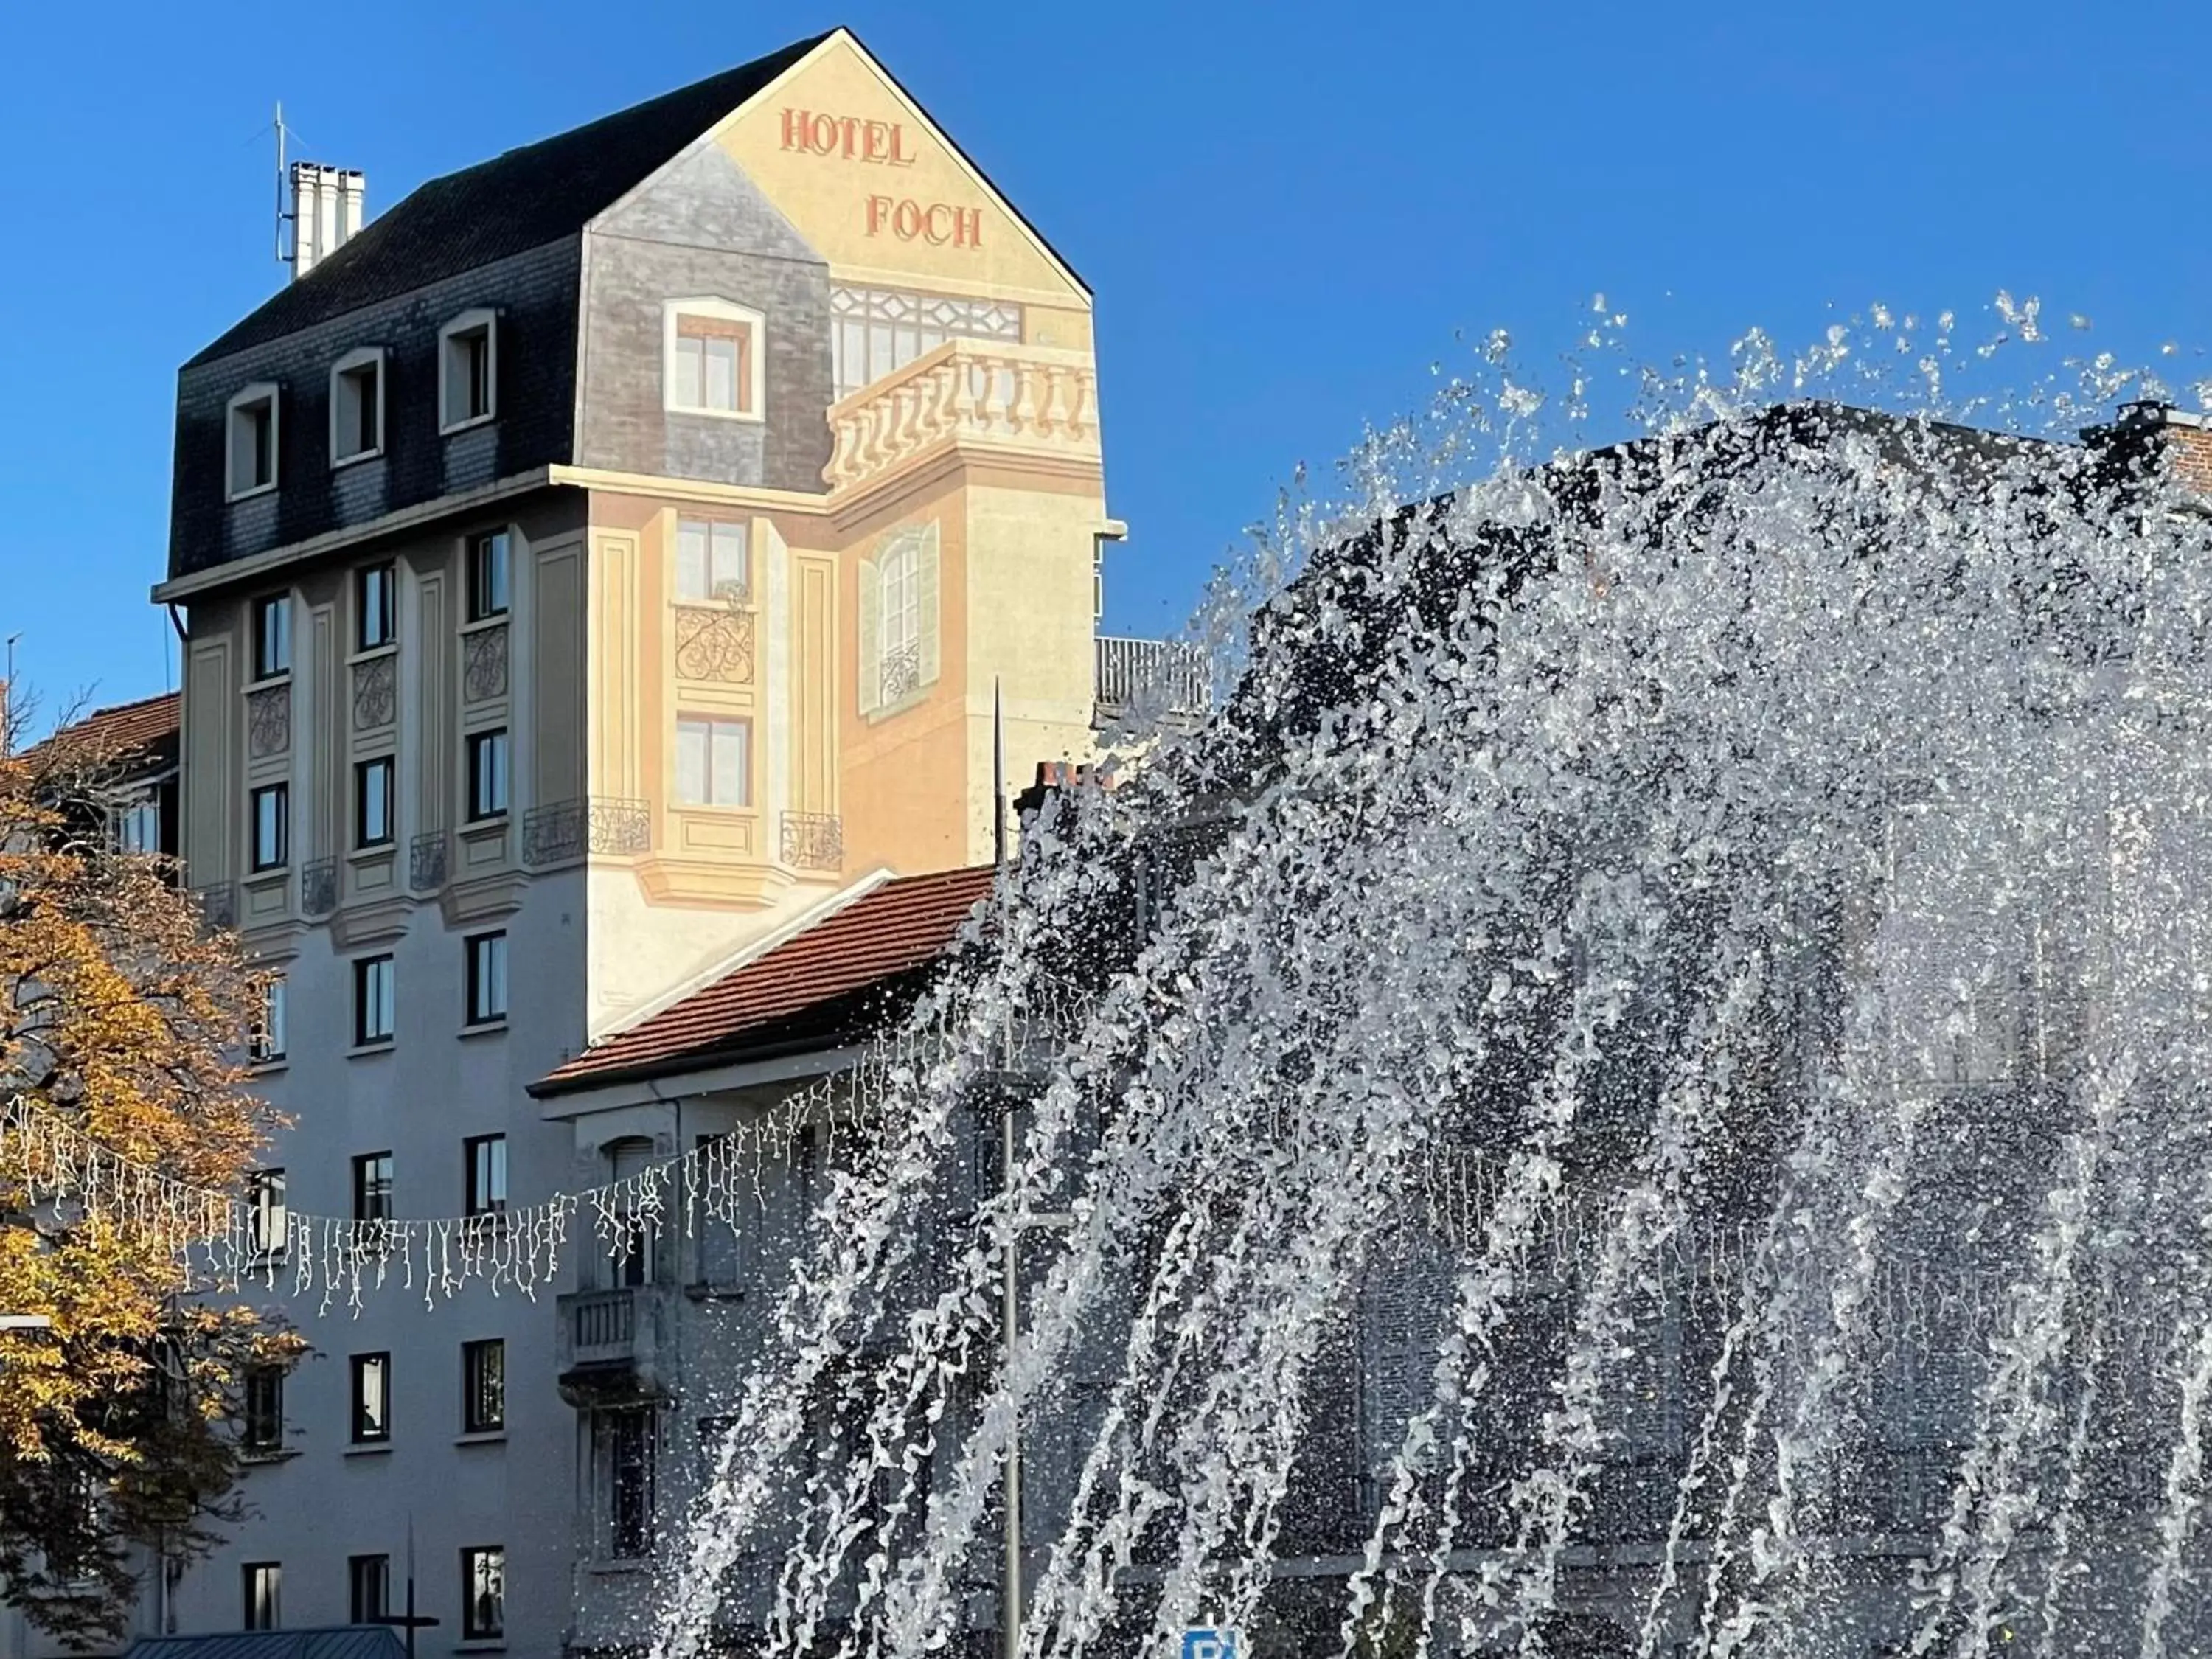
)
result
[(713, 364), (714, 761), (711, 562), (876, 331), (899, 645)]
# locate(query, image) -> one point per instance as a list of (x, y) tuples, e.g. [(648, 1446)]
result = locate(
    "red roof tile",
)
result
[(128, 728), (898, 927)]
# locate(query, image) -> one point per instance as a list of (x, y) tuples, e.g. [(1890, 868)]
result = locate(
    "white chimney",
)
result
[(326, 211)]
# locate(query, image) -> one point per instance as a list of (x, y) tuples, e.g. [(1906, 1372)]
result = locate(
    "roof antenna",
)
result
[(998, 779), (281, 215)]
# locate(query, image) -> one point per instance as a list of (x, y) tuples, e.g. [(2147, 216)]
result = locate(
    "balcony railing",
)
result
[(1029, 398), (1160, 676), (613, 1345)]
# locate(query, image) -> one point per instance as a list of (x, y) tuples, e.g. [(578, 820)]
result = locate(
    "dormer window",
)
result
[(357, 405), (712, 351), (468, 365), (250, 431)]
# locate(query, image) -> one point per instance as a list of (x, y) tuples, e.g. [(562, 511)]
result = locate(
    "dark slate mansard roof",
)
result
[(508, 205)]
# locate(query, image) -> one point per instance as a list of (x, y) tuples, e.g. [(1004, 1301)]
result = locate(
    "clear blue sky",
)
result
[(1287, 211)]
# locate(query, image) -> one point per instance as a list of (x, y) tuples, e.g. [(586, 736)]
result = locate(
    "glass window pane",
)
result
[(686, 368), (731, 773), (729, 559), (691, 559), (691, 761), (721, 374)]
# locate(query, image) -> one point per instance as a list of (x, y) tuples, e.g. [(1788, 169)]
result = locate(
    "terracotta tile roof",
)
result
[(148, 727), (819, 985)]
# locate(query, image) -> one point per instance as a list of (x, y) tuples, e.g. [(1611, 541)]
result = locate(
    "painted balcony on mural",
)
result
[(984, 395)]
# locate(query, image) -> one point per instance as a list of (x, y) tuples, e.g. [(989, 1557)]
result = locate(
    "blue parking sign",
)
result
[(1212, 1644)]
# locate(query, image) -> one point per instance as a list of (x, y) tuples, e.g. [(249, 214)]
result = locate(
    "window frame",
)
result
[(266, 605), (131, 818), (253, 1615), (724, 591), (625, 1438), (385, 608), (364, 974), (363, 841), (752, 390), (371, 1186), (473, 1388), (260, 392), (708, 726), (251, 1444), (472, 1631), (476, 948), (365, 1426), (474, 1201), (449, 337), (280, 856), (264, 1040), (268, 1214), (349, 368), (474, 579), (492, 740), (357, 1571)]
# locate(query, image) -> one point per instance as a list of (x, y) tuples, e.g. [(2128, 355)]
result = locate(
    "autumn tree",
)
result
[(124, 1016)]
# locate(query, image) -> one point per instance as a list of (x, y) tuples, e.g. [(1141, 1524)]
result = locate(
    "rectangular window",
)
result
[(484, 1386), (368, 1581), (272, 637), (711, 365), (264, 1580), (714, 761), (375, 612), (487, 978), (371, 1186), (357, 405), (252, 440), (483, 1594), (711, 562), (876, 332), (264, 1428), (373, 999), (485, 1156), (267, 1223), (372, 1398), (266, 1041), (488, 574), (623, 1456), (372, 803), (487, 774), (272, 815), (465, 369), (138, 826)]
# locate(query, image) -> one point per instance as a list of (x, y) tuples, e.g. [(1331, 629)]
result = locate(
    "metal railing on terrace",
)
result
[(1151, 675)]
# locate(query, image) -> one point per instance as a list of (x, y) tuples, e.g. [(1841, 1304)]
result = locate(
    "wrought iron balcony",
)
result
[(615, 1346), (426, 860), (319, 887), (1029, 399), (568, 828), (813, 841), (1162, 677)]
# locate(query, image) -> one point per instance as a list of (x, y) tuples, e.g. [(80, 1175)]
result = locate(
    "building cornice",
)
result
[(704, 490), (234, 571)]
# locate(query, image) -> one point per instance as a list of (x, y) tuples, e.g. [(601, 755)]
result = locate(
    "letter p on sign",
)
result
[(1212, 1644)]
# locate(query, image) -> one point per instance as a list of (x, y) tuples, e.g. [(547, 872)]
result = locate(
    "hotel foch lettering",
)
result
[(882, 144)]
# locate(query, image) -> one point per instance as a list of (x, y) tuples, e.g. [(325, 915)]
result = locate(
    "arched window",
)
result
[(899, 648)]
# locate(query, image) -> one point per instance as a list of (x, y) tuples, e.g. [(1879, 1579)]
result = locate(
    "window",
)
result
[(263, 1582), (489, 571), (357, 405), (138, 825), (267, 1221), (372, 803), (372, 1001), (483, 1594), (371, 1186), (272, 637), (713, 365), (878, 332), (250, 439), (898, 595), (265, 1042), (369, 1580), (485, 1156), (711, 562), (484, 1386), (623, 1456), (264, 1431), (714, 761), (271, 826), (468, 362), (372, 1398), (487, 774), (487, 978), (374, 610)]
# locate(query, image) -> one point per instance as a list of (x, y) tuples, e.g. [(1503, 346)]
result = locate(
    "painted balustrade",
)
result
[(1028, 398)]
